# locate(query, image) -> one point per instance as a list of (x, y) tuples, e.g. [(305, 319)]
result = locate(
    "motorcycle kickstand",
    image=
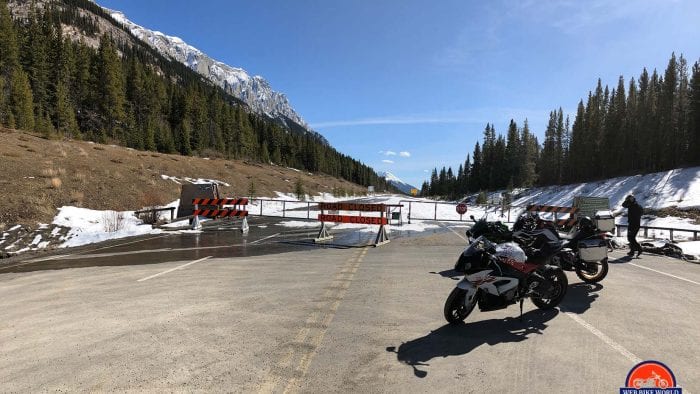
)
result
[(521, 309)]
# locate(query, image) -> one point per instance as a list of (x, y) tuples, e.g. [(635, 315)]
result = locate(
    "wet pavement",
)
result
[(220, 240)]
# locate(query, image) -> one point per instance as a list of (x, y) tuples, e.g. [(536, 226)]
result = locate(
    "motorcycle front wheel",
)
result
[(558, 279), (455, 309), (592, 275)]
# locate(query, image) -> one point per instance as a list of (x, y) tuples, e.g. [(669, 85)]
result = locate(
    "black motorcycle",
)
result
[(584, 250)]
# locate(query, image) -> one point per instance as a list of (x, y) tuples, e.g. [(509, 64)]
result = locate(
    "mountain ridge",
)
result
[(397, 182), (254, 90)]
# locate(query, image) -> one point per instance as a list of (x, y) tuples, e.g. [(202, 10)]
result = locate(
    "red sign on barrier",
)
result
[(349, 206), (353, 219)]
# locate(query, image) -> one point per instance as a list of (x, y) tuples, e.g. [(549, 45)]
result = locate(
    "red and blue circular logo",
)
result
[(650, 377)]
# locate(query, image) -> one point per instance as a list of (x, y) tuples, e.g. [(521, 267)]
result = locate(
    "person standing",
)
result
[(634, 217)]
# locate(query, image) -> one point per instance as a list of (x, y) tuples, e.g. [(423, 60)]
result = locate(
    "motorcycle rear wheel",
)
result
[(591, 277), (561, 284), (455, 311)]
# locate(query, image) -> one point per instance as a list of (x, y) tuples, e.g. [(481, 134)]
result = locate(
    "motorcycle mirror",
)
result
[(472, 217)]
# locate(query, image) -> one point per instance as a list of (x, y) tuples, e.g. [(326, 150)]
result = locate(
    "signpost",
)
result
[(461, 209)]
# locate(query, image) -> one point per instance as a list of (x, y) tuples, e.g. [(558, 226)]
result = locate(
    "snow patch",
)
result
[(90, 226), (196, 181)]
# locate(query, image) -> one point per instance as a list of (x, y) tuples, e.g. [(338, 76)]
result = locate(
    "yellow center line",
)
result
[(312, 333)]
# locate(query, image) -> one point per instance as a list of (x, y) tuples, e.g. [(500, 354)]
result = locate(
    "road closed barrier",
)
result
[(381, 221), (571, 211), (213, 208)]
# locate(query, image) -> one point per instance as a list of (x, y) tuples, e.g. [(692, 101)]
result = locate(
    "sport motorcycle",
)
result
[(497, 276)]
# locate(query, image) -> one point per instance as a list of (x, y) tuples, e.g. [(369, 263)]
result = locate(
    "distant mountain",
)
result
[(398, 183), (253, 90)]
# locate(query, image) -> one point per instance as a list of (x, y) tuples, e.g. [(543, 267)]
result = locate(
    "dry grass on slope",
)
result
[(37, 176)]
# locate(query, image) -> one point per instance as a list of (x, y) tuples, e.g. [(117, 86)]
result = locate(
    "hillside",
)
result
[(39, 175), (69, 70)]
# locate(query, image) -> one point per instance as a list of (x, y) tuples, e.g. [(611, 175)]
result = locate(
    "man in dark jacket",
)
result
[(634, 217)]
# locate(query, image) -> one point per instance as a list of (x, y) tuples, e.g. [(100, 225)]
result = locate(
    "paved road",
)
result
[(338, 319)]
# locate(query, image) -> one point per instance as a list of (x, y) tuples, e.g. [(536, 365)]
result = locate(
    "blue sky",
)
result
[(424, 77)]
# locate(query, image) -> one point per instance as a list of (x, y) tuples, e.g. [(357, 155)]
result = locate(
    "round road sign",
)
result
[(461, 208)]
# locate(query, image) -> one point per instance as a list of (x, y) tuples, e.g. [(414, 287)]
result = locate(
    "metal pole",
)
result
[(284, 208), (308, 210), (261, 204), (409, 212), (436, 211), (671, 230)]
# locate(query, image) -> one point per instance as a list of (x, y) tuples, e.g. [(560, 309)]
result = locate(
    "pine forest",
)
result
[(650, 124)]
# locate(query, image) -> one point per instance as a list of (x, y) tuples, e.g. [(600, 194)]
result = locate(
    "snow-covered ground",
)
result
[(679, 188), (89, 226)]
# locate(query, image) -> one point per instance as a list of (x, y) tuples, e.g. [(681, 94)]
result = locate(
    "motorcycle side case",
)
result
[(592, 250), (605, 221)]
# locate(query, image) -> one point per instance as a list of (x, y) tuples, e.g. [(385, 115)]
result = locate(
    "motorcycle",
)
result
[(584, 250), (654, 381), (497, 276)]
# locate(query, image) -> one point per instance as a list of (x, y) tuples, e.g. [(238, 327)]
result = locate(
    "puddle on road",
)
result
[(228, 243)]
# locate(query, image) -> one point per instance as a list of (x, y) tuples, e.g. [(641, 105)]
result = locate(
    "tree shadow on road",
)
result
[(580, 296), (460, 339)]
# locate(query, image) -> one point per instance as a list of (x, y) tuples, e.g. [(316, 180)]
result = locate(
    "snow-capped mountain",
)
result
[(253, 90), (397, 183)]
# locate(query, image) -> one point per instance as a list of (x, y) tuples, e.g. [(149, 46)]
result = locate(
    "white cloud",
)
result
[(405, 154), (390, 153), (388, 161)]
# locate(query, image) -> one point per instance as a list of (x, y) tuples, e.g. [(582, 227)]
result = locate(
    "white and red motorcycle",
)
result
[(497, 276)]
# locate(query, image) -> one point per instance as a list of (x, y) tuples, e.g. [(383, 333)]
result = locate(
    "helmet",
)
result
[(585, 223)]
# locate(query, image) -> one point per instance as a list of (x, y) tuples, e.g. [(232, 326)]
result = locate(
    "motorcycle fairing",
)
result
[(496, 285)]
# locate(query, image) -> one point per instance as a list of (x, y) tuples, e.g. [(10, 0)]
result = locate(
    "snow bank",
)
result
[(90, 226), (679, 187), (691, 248)]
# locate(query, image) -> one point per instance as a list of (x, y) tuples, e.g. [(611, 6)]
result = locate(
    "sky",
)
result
[(406, 86)]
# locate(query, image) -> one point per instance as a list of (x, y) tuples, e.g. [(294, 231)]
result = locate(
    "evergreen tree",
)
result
[(21, 100), (9, 62), (475, 173), (111, 91), (693, 155), (548, 161), (513, 159), (530, 156)]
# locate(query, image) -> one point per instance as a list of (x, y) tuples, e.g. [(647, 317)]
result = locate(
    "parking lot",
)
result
[(274, 313)]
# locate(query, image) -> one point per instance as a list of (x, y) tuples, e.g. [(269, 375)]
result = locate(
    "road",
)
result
[(271, 312)]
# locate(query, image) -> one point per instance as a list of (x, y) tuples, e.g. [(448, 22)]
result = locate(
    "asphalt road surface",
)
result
[(272, 312)]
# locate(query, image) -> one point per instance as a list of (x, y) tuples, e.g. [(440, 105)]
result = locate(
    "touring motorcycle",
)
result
[(583, 251), (497, 276)]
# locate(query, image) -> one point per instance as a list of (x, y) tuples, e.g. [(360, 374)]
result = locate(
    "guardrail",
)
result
[(154, 210), (446, 211), (669, 229), (303, 210)]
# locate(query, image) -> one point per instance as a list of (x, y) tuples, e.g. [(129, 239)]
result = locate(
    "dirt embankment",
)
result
[(37, 176)]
